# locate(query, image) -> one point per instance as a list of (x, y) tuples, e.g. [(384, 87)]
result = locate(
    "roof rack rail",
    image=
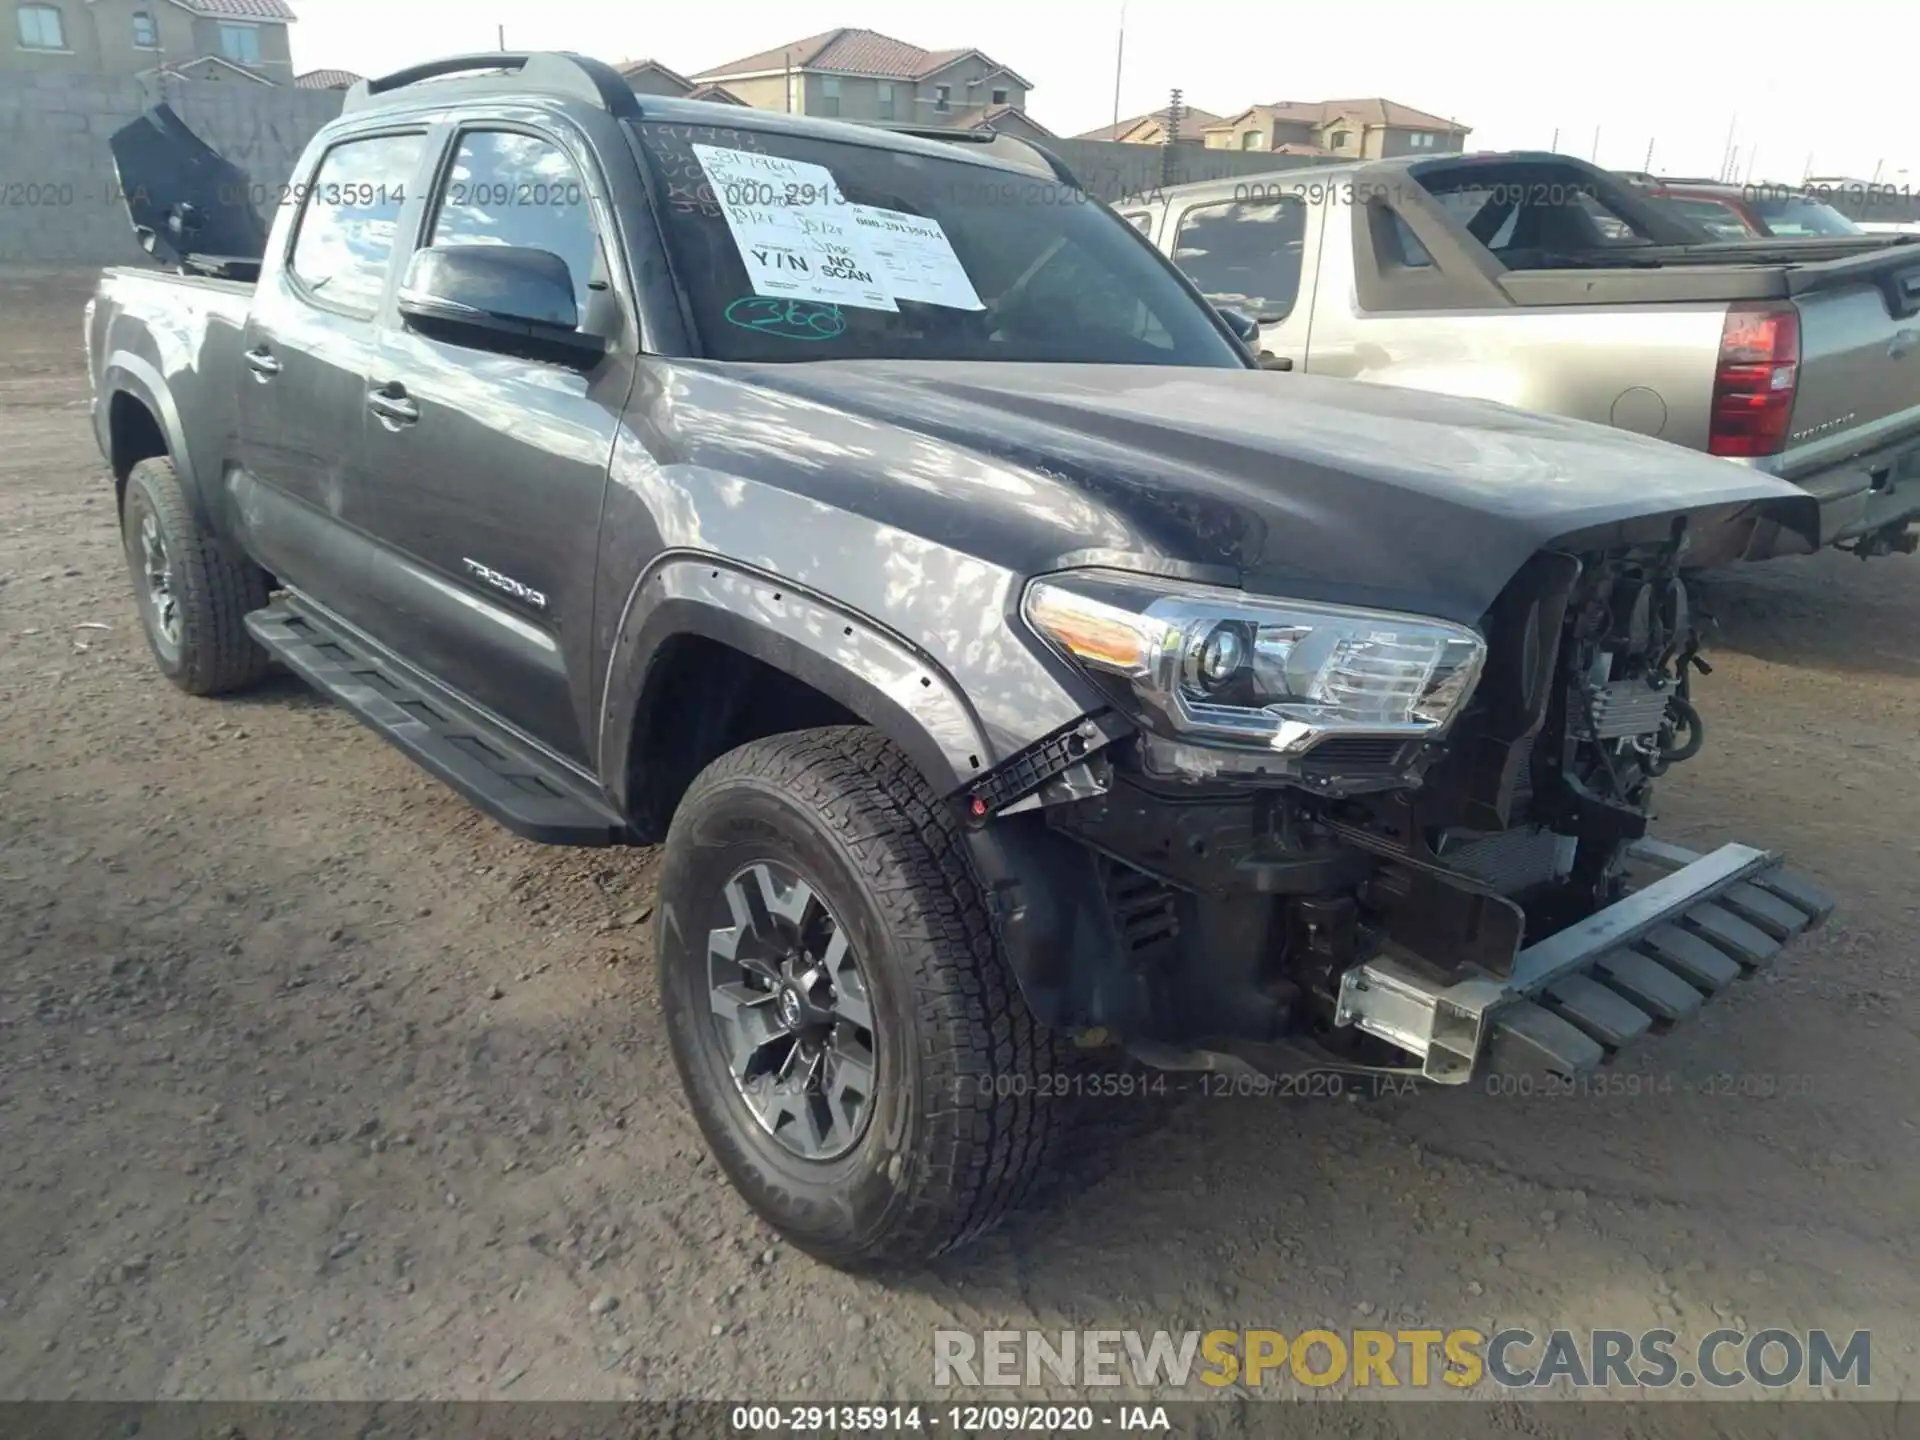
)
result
[(1011, 148), (549, 72)]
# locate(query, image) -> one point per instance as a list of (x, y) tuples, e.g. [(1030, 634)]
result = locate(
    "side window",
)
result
[(507, 188), (1245, 253), (1141, 220), (1401, 246), (346, 233), (1487, 217)]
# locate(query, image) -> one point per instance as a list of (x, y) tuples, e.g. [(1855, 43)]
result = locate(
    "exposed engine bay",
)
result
[(1256, 913)]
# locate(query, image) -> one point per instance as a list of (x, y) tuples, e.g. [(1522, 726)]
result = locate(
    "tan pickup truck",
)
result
[(1549, 284)]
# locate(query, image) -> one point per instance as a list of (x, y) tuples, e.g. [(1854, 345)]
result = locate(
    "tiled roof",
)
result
[(633, 67), (799, 54), (718, 94), (988, 116), (1192, 120), (240, 9), (867, 52), (327, 80), (1371, 111), (1376, 111), (849, 51)]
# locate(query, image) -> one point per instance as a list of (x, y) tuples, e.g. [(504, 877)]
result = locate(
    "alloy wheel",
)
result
[(792, 1012), (156, 566)]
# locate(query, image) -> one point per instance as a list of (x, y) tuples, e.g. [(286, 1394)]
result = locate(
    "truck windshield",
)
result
[(796, 248)]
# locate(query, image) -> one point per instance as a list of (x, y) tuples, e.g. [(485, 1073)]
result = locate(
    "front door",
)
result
[(306, 347), (485, 471)]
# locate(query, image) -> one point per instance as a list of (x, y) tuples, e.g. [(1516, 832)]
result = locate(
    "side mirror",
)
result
[(496, 297), (1244, 326)]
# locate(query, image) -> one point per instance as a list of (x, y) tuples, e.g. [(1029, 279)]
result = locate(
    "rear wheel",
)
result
[(851, 1040), (194, 593)]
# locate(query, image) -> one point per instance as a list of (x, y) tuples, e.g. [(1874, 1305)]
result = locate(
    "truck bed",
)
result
[(150, 329), (1730, 272), (150, 274), (1857, 410), (1545, 283)]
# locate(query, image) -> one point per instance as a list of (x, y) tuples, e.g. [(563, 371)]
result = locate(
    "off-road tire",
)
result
[(212, 587), (960, 1132)]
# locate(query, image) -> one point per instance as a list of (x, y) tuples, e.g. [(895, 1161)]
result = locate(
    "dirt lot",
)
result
[(314, 1083)]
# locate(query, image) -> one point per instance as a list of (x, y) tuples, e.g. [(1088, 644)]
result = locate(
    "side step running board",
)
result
[(508, 779)]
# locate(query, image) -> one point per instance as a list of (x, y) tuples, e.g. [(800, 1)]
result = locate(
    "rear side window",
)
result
[(507, 188), (1402, 246), (1245, 253), (1531, 215), (1482, 212), (346, 233)]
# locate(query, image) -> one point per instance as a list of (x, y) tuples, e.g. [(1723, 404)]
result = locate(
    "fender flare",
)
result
[(128, 374), (877, 674)]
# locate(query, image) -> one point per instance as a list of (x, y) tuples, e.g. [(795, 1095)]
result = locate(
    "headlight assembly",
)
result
[(1219, 666)]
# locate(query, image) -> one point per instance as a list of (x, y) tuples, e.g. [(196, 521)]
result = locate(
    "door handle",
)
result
[(262, 363), (394, 408)]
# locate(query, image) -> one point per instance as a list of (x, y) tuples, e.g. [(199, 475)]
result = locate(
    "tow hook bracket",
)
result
[(1577, 997)]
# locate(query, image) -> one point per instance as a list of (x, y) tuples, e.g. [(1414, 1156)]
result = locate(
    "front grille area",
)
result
[(1353, 755), (1144, 910)]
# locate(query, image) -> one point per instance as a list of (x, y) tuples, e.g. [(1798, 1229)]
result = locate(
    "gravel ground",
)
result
[(314, 1083)]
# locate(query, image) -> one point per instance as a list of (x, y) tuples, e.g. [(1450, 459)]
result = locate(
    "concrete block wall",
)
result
[(59, 201)]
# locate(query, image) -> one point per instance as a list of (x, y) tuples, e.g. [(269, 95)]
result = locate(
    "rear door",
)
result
[(308, 341), (486, 471), (1253, 254)]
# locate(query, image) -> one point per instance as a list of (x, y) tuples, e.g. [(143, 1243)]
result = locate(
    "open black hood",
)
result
[(189, 206)]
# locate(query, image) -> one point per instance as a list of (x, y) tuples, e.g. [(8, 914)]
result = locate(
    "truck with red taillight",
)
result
[(1549, 284)]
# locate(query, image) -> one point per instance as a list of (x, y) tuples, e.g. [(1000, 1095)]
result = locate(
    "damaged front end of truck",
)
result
[(1375, 841)]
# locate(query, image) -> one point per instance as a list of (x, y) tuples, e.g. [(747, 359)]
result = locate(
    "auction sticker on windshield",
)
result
[(794, 230), (916, 258)]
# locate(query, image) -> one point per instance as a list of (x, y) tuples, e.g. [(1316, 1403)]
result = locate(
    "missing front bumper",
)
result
[(1577, 997)]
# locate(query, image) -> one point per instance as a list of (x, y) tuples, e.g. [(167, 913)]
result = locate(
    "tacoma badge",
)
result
[(507, 583)]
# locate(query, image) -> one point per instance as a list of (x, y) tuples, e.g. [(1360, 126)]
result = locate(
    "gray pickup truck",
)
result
[(1014, 670), (1541, 281)]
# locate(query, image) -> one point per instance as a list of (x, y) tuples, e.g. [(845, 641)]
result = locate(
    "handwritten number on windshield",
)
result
[(789, 319)]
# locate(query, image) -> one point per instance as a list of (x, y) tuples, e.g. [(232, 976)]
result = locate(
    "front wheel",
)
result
[(850, 1038)]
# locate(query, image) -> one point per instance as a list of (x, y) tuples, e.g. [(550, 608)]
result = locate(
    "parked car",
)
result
[(1745, 212), (1543, 282), (1879, 207), (1015, 671)]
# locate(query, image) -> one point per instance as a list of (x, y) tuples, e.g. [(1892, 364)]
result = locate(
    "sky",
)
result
[(1609, 81)]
